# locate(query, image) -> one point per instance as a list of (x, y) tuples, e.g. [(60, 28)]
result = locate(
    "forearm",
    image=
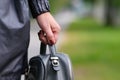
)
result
[(38, 7), (40, 10)]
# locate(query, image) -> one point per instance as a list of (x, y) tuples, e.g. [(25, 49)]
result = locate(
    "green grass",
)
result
[(57, 5), (94, 50)]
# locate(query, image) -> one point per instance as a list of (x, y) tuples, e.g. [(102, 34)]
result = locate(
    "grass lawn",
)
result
[(57, 5), (94, 50)]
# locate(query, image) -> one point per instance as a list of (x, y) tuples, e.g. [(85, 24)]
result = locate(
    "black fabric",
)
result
[(38, 7)]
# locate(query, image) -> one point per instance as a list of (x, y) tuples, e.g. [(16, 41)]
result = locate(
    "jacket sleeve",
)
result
[(38, 7)]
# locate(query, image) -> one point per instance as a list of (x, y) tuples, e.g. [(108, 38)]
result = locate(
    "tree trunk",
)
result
[(109, 13)]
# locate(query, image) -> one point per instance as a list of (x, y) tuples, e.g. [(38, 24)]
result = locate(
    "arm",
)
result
[(41, 11)]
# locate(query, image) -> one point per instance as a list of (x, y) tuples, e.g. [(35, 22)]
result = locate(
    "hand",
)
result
[(49, 28)]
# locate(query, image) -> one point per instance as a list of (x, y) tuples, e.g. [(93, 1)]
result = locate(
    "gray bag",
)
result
[(52, 66)]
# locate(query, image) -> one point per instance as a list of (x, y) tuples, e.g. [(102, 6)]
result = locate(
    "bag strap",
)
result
[(53, 57), (52, 50), (43, 48)]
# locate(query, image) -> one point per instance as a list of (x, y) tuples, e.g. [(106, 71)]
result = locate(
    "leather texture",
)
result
[(41, 67), (38, 7)]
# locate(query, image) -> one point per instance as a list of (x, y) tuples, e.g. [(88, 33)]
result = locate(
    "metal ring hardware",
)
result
[(55, 61)]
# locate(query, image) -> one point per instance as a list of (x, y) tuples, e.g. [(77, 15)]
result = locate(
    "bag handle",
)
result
[(53, 57), (52, 49), (42, 49)]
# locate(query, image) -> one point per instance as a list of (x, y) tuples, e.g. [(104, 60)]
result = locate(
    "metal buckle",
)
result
[(55, 61)]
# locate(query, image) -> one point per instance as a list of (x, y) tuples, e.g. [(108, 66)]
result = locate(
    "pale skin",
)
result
[(50, 29)]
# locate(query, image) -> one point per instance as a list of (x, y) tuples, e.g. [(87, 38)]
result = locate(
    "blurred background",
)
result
[(90, 36)]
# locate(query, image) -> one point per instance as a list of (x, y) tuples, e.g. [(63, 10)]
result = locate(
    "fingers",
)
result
[(52, 33), (49, 36), (42, 37), (50, 29), (55, 27), (46, 38), (56, 30)]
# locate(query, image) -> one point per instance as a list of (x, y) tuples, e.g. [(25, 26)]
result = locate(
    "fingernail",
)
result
[(51, 42)]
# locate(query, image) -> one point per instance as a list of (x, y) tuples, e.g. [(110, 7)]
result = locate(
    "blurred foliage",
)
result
[(93, 49), (89, 1), (114, 2), (84, 23), (57, 5), (110, 10)]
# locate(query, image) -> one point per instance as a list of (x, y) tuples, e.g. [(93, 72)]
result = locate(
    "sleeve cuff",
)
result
[(38, 7)]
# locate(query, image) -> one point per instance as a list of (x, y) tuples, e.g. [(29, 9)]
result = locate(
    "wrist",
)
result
[(39, 7)]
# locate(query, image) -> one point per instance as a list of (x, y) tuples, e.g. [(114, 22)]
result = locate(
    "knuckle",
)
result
[(57, 28), (50, 37)]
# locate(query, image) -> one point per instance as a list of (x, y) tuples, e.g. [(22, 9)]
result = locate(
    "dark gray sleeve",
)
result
[(38, 7)]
